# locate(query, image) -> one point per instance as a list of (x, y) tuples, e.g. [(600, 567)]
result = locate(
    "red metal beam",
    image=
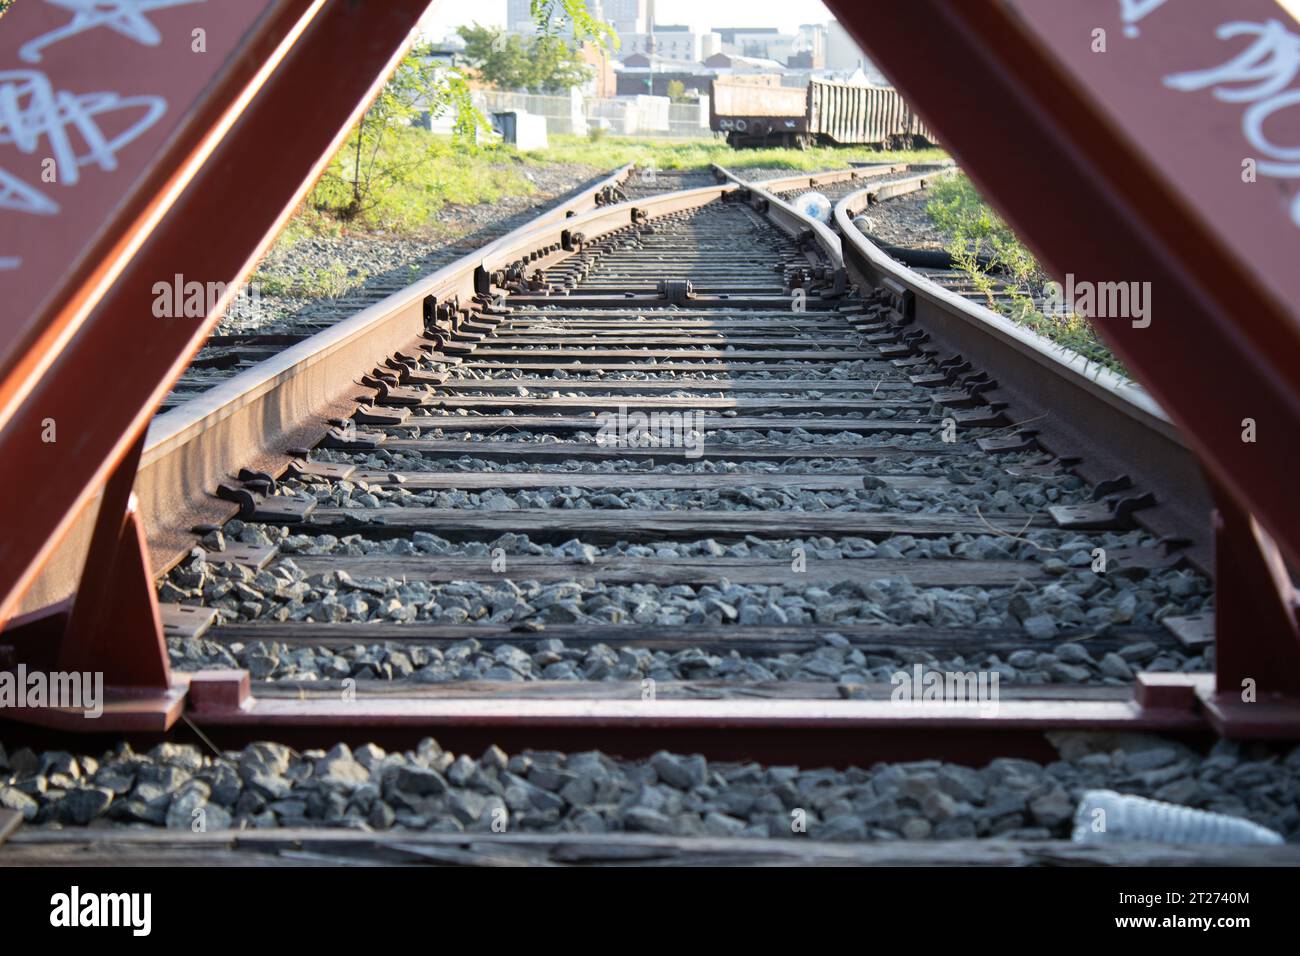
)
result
[(1110, 139), (1254, 603), (248, 125)]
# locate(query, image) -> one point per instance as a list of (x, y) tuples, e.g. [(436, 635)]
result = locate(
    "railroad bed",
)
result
[(808, 485), (615, 488), (230, 352)]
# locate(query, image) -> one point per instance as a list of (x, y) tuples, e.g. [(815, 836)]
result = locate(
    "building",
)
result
[(628, 17), (519, 17), (844, 55), (673, 41), (722, 64), (643, 73), (604, 80), (764, 43), (809, 47), (812, 39)]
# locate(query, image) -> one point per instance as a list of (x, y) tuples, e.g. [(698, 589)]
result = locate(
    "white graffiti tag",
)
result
[(1132, 11), (16, 194), (30, 108), (127, 17), (1260, 75)]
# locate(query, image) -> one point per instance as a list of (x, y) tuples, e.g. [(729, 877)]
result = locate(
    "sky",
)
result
[(785, 14)]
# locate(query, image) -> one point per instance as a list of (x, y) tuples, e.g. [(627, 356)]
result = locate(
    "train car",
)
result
[(754, 111)]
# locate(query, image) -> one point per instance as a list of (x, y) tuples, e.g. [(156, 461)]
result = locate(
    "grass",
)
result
[(975, 230), (307, 283), (607, 152), (416, 174)]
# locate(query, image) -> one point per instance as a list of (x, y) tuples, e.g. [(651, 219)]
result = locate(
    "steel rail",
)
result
[(595, 223), (923, 174), (249, 419), (1134, 166), (216, 149), (230, 708), (258, 412), (805, 180), (791, 221), (1072, 406)]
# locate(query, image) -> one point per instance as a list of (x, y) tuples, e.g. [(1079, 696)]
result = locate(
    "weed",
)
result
[(1001, 269)]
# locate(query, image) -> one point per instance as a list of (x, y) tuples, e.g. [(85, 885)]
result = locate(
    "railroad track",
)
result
[(683, 474), (227, 353), (890, 183), (794, 418)]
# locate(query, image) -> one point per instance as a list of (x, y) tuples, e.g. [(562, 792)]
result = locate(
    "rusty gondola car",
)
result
[(752, 113)]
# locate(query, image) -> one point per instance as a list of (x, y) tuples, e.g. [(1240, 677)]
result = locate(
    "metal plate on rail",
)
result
[(324, 470), (1192, 630), (280, 509), (186, 620), (245, 555)]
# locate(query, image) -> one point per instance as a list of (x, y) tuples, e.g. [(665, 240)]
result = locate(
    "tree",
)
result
[(544, 63), (372, 156), (498, 59), (419, 84), (677, 91), (557, 68)]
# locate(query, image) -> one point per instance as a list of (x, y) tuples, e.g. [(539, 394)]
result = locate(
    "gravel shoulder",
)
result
[(431, 789), (902, 221)]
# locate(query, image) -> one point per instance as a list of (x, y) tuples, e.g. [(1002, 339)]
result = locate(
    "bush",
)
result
[(424, 173)]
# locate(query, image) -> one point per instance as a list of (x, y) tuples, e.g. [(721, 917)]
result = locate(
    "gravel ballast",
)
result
[(181, 787)]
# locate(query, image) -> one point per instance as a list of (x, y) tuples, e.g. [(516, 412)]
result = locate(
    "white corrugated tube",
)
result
[(1105, 816)]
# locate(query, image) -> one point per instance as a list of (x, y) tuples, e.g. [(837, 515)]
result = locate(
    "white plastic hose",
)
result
[(1105, 816)]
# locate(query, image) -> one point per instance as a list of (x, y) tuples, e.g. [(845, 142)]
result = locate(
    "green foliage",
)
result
[(376, 157), (390, 175), (974, 231), (552, 16), (327, 283), (539, 64), (423, 173), (677, 91), (5, 5), (308, 223)]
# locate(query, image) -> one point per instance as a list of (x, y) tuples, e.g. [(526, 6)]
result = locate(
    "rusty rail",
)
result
[(249, 419), (1070, 406)]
